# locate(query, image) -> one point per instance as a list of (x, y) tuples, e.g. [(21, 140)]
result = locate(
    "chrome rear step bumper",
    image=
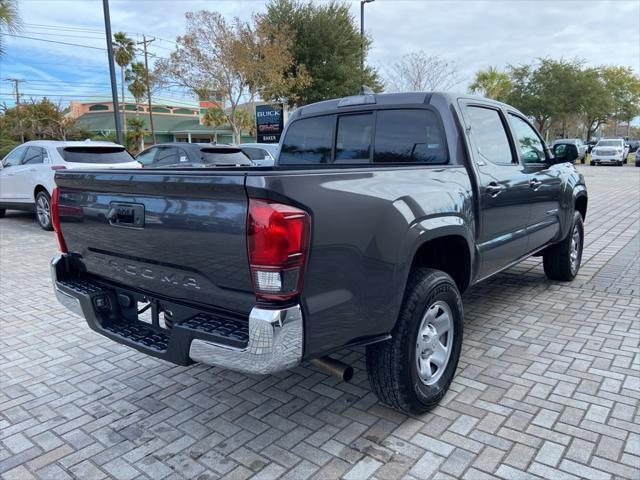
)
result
[(271, 340)]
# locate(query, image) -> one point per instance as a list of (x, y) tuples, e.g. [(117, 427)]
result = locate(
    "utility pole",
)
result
[(112, 71), (16, 90), (144, 43), (362, 2)]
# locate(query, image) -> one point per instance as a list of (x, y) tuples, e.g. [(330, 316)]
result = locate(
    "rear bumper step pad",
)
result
[(266, 342)]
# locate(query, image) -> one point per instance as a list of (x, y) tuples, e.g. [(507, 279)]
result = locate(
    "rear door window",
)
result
[(107, 155), (33, 156), (167, 155), (308, 141), (489, 135), (409, 136), (255, 153), (353, 142)]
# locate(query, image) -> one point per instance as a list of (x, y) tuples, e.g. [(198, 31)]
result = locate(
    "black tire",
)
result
[(392, 366), (43, 210), (592, 163), (557, 261), (2, 212)]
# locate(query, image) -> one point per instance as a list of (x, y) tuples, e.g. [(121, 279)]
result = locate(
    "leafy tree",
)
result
[(491, 83), (10, 21), (326, 42), (136, 77), (596, 100), (232, 61), (214, 117), (124, 54), (419, 72), (547, 90), (135, 135), (43, 120), (624, 88), (246, 121)]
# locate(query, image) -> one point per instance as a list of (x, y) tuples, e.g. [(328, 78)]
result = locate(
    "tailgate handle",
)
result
[(126, 215)]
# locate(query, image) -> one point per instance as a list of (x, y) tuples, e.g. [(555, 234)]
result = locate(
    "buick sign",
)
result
[(269, 122)]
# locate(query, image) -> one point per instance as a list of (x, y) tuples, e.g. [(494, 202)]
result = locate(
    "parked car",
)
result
[(580, 145), (26, 173), (610, 151), (633, 145), (262, 154), (192, 155), (382, 210)]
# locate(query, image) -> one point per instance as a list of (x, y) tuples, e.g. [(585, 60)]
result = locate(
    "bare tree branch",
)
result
[(419, 72)]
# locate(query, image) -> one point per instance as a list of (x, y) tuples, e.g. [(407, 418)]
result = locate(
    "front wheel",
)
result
[(43, 210), (562, 261), (412, 371)]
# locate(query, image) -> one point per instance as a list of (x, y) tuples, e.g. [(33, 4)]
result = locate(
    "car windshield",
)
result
[(105, 155), (609, 143), (224, 156)]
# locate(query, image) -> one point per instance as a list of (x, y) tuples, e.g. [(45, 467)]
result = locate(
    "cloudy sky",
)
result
[(472, 33)]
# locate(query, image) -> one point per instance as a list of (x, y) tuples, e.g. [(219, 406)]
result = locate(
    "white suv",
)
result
[(26, 173), (610, 151)]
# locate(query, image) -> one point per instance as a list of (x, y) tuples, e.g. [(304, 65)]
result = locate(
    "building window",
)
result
[(98, 107)]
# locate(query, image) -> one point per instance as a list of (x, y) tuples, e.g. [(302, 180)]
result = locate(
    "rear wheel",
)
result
[(412, 371), (43, 210), (562, 261)]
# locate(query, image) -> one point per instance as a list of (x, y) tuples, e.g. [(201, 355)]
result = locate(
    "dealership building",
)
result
[(172, 123)]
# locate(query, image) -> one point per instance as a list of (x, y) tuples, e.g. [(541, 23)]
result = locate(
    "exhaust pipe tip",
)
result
[(334, 367)]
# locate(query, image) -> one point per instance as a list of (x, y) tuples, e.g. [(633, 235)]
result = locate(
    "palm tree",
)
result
[(137, 132), (136, 77), (124, 53), (9, 19), (491, 83)]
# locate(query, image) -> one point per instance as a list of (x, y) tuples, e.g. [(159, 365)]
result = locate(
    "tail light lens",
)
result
[(58, 167), (55, 219), (278, 243)]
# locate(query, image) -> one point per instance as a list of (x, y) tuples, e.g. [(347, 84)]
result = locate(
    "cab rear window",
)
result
[(394, 136), (104, 155)]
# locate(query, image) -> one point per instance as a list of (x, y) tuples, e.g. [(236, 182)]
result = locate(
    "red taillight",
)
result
[(55, 219), (277, 242), (58, 167)]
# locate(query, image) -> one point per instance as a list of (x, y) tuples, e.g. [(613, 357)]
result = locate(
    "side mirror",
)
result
[(564, 152)]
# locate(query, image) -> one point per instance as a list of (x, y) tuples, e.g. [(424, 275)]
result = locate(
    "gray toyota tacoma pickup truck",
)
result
[(380, 211)]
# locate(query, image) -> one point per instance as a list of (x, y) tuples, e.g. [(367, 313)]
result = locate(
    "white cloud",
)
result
[(473, 33)]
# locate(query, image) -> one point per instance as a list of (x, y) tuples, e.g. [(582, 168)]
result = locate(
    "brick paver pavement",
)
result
[(548, 384)]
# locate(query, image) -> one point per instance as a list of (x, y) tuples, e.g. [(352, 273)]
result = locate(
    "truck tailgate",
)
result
[(177, 234)]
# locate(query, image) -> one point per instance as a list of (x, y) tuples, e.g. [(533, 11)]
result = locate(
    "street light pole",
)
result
[(112, 70), (362, 2)]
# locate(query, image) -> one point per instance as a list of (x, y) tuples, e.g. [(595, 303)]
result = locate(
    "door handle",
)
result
[(535, 184), (493, 189)]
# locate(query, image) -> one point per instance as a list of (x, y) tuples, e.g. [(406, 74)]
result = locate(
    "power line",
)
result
[(61, 35), (90, 30), (54, 41)]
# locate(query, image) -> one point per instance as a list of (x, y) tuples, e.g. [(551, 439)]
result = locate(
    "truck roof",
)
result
[(384, 99)]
